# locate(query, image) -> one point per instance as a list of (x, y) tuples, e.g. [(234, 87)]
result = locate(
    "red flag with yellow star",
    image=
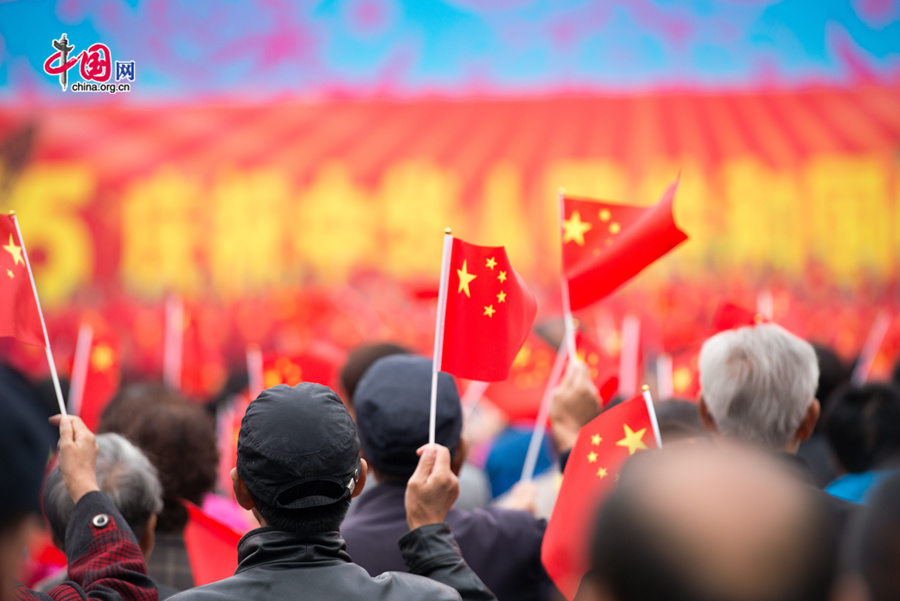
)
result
[(19, 314), (519, 396), (605, 244), (318, 362), (488, 315), (591, 471), (102, 379)]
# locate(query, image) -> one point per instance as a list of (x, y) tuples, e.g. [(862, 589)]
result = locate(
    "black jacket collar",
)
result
[(280, 549)]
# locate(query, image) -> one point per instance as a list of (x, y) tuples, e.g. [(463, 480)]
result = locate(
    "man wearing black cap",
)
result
[(503, 546), (105, 561), (298, 465)]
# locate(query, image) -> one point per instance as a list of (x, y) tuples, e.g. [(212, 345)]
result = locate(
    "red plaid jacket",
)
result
[(105, 562)]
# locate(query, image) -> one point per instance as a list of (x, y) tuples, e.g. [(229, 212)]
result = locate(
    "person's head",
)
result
[(392, 413), (758, 385), (710, 522), (834, 373), (872, 550), (128, 479), (298, 462), (177, 436), (678, 419), (25, 447), (360, 359), (862, 425)]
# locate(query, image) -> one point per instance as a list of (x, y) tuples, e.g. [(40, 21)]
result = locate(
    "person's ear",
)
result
[(808, 425), (361, 481), (241, 493), (705, 416), (462, 451), (148, 537)]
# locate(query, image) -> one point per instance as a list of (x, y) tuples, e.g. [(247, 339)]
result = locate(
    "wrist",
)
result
[(82, 486), (419, 521)]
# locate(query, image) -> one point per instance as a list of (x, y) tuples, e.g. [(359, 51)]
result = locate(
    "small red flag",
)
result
[(318, 362), (730, 316), (20, 317), (605, 245), (211, 546), (592, 470), (489, 313), (519, 396), (101, 382)]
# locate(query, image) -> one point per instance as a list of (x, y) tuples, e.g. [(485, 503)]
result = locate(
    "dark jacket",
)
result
[(273, 564), (502, 546), (105, 561)]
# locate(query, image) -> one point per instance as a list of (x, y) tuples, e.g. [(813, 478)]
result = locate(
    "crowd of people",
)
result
[(780, 482)]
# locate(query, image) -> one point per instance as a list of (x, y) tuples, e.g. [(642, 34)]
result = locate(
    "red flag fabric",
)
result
[(592, 470), (730, 316), (19, 315), (102, 379), (318, 362), (605, 245), (489, 313), (211, 546), (603, 369), (519, 395)]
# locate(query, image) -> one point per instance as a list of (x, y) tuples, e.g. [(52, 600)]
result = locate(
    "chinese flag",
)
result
[(318, 362), (489, 313), (19, 314), (211, 546), (603, 369), (101, 380), (605, 245), (592, 470), (519, 396)]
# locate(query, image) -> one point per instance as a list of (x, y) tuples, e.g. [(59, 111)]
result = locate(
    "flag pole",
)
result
[(870, 348), (664, 383), (439, 330), (80, 367), (540, 426), (256, 379), (568, 320), (47, 350), (473, 395), (630, 355), (173, 344), (645, 391)]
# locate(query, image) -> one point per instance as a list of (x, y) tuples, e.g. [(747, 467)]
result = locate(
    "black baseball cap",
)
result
[(298, 448), (392, 403)]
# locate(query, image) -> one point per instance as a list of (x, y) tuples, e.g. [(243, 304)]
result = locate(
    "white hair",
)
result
[(126, 476), (758, 383)]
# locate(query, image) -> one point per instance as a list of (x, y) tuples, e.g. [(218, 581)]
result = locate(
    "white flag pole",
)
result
[(256, 379), (664, 384), (540, 426), (568, 320), (473, 395), (80, 367), (439, 330), (645, 391), (870, 348), (630, 355), (173, 345), (50, 362)]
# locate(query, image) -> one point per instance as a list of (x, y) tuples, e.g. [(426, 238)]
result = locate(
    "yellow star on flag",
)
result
[(574, 229), (592, 457), (491, 263), (489, 310), (605, 215), (15, 251), (633, 441), (602, 472), (502, 276), (10, 273), (101, 357), (464, 278), (595, 439), (614, 227), (501, 298)]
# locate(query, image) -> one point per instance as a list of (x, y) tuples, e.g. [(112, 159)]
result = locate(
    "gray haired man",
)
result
[(128, 478)]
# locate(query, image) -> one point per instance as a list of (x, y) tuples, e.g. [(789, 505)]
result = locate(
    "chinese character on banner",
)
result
[(124, 70), (95, 63)]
